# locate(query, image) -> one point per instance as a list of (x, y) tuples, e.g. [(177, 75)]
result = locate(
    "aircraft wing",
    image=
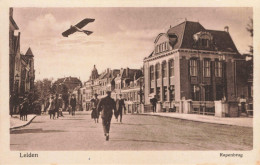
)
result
[(84, 22), (71, 30)]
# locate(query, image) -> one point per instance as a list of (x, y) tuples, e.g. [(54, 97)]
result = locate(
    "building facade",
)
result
[(114, 80), (21, 68), (190, 62)]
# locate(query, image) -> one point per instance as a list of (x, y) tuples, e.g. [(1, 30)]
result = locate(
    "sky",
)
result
[(122, 36)]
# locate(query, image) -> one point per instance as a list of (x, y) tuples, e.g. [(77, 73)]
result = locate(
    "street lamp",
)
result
[(170, 89)]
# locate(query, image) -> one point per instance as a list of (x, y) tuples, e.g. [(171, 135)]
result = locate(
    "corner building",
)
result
[(192, 63)]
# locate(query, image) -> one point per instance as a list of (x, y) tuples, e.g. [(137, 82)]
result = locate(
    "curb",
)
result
[(195, 120), (24, 124)]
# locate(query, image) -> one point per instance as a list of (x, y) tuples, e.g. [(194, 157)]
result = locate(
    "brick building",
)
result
[(114, 80), (190, 62), (21, 67)]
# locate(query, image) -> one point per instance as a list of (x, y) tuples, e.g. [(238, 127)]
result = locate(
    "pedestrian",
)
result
[(60, 105), (73, 105), (120, 104), (106, 105), (94, 104), (51, 107), (24, 109), (154, 102), (242, 103)]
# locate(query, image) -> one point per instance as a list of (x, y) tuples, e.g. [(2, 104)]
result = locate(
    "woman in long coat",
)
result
[(94, 104)]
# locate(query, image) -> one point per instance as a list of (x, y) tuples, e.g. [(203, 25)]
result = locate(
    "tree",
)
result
[(250, 29)]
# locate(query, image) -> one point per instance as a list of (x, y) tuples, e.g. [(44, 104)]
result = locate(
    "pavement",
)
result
[(236, 121), (15, 121)]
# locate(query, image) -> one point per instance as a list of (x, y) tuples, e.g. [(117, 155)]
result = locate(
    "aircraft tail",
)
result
[(87, 32)]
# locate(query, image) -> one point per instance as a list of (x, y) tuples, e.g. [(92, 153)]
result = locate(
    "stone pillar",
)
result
[(161, 80), (158, 107), (213, 80), (168, 80), (186, 106), (220, 108)]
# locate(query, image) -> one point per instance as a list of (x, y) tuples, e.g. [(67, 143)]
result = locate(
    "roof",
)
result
[(29, 52), (13, 23), (68, 80), (24, 58), (185, 31), (132, 73)]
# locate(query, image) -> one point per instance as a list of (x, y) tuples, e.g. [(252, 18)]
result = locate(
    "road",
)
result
[(137, 132)]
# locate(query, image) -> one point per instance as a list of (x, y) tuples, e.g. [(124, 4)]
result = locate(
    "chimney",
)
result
[(11, 12), (226, 29)]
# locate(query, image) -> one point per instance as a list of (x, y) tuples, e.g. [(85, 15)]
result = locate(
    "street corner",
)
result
[(15, 121)]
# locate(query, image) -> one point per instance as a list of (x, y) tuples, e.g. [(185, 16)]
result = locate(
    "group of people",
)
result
[(105, 106), (23, 109), (55, 106)]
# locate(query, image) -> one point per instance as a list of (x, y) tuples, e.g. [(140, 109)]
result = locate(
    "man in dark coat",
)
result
[(153, 102), (106, 105), (120, 104), (60, 104), (73, 104)]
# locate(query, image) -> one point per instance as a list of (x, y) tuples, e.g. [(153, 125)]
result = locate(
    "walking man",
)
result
[(60, 104), (106, 105), (73, 105), (120, 104), (154, 101), (51, 107), (94, 104)]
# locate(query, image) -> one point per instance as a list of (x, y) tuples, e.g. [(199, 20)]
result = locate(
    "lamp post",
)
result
[(170, 89), (141, 92), (16, 94)]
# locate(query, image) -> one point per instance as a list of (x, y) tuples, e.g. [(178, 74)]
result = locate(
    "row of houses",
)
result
[(21, 67), (191, 70), (125, 81)]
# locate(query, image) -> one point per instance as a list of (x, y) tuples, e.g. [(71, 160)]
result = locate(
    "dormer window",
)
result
[(203, 39), (205, 42)]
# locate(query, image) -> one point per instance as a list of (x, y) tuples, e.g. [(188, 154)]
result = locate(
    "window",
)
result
[(151, 90), (164, 93), (208, 93), (171, 68), (158, 93), (164, 71), (172, 93), (152, 73), (195, 96), (157, 71), (193, 67), (205, 42), (219, 92), (206, 68), (218, 68)]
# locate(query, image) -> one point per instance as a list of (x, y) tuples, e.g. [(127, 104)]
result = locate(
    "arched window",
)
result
[(151, 72), (171, 68), (164, 71)]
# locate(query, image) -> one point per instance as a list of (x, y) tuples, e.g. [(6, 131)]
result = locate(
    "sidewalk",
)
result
[(239, 121), (15, 121)]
